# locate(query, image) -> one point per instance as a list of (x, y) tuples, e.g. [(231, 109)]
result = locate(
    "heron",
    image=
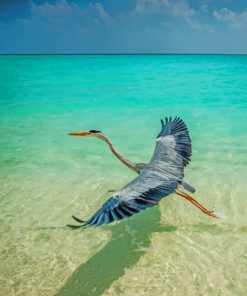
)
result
[(162, 176)]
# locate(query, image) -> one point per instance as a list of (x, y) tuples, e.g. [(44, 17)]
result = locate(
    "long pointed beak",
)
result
[(80, 134)]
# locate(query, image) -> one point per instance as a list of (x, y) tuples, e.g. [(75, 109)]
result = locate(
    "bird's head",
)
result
[(91, 133)]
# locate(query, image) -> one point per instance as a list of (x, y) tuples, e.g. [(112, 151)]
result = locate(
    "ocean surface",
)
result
[(46, 176)]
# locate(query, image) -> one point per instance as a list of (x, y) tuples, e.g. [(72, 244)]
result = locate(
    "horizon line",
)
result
[(93, 53)]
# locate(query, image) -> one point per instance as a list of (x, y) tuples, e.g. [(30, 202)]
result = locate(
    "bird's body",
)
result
[(159, 178)]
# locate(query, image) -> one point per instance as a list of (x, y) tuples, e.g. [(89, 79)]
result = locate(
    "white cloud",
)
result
[(204, 7), (235, 18), (59, 9), (179, 8), (64, 11), (172, 9), (101, 11), (182, 8)]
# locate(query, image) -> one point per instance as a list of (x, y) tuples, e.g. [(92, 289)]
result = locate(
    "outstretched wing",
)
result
[(143, 192), (173, 147), (158, 179)]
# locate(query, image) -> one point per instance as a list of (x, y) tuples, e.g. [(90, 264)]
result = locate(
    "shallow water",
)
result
[(171, 249)]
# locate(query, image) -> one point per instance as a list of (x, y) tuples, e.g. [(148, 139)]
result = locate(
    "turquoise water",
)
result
[(45, 175)]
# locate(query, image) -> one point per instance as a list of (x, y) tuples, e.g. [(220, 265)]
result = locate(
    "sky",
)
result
[(123, 26)]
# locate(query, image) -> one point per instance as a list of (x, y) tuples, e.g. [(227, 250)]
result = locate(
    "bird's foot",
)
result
[(211, 213)]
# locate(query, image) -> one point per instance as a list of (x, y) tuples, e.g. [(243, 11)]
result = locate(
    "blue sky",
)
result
[(123, 26)]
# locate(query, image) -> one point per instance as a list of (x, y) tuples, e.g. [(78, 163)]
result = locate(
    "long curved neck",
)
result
[(124, 160)]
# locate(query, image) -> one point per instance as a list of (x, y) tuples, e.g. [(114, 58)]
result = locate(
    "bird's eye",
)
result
[(94, 131)]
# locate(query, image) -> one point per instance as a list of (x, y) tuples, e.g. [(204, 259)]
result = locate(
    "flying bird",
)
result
[(162, 176)]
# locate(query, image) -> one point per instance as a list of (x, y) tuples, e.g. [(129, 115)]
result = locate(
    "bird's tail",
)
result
[(188, 187)]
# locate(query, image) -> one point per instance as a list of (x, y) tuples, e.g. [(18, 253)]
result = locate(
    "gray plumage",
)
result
[(188, 187), (157, 179)]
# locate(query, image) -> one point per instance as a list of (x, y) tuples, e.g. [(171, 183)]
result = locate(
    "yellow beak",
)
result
[(82, 134)]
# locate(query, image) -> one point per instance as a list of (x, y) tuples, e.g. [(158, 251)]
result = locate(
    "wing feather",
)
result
[(173, 146), (143, 192)]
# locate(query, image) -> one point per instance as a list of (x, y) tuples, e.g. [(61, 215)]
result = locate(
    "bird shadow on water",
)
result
[(129, 242)]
